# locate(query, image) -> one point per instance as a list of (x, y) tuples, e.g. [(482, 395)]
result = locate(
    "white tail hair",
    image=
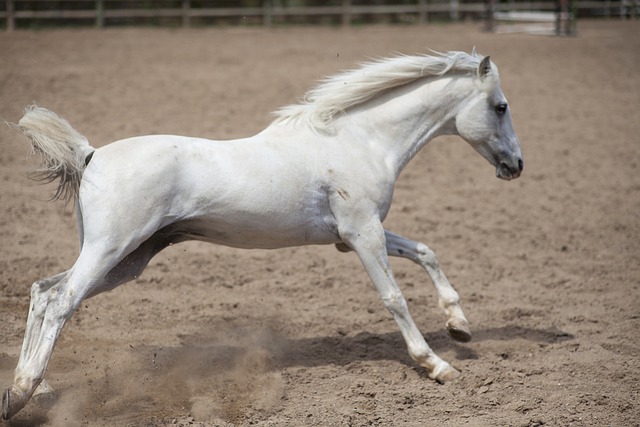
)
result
[(64, 151)]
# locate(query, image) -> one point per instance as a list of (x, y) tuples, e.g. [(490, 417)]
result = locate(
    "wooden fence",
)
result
[(553, 17), (101, 13)]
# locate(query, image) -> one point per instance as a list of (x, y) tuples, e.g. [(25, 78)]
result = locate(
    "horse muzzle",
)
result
[(511, 169)]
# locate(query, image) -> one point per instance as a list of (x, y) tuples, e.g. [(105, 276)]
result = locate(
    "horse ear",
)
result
[(484, 69)]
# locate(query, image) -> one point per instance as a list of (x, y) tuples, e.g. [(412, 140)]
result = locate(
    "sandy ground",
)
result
[(547, 265)]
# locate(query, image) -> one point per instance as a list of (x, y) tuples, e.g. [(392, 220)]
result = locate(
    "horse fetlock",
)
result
[(437, 369), (23, 381), (444, 373), (450, 304)]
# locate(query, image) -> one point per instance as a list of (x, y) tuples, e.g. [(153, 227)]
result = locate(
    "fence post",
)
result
[(559, 11), (565, 18), (490, 10), (186, 13), (423, 14), (346, 13), (99, 13), (454, 10), (267, 13), (11, 19), (571, 18)]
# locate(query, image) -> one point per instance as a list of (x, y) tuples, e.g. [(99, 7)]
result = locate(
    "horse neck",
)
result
[(402, 121)]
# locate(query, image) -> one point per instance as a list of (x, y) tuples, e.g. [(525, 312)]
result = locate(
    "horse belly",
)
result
[(254, 231)]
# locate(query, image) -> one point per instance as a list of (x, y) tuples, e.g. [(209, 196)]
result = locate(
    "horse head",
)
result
[(484, 121)]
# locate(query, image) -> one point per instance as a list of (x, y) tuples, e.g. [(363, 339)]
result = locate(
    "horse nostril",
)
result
[(520, 165)]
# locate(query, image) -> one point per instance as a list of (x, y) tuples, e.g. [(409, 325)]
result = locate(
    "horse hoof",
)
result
[(46, 399), (12, 401), (445, 374), (459, 330), (45, 395)]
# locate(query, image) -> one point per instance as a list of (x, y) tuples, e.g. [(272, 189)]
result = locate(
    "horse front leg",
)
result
[(448, 298), (369, 243)]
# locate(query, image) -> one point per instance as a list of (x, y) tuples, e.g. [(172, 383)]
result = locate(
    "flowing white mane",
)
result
[(337, 93)]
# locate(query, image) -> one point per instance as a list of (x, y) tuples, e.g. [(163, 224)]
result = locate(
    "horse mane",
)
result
[(336, 94)]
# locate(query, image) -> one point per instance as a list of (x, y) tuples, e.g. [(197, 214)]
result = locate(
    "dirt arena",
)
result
[(547, 265)]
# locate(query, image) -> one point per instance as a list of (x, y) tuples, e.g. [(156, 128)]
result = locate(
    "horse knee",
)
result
[(38, 303), (427, 256), (38, 287), (44, 285), (395, 303), (59, 304)]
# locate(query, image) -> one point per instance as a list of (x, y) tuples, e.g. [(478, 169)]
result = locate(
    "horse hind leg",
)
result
[(37, 308), (13, 396), (53, 307), (44, 394), (53, 302), (132, 266)]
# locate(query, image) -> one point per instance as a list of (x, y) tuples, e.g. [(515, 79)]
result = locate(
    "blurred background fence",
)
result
[(101, 13)]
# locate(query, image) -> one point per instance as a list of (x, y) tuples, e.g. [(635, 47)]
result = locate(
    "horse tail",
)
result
[(65, 153)]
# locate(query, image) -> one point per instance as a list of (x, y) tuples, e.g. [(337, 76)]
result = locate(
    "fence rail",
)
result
[(182, 12)]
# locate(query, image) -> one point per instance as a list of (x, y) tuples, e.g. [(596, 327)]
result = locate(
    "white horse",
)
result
[(322, 173)]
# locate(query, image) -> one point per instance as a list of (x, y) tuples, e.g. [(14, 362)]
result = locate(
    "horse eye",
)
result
[(501, 109)]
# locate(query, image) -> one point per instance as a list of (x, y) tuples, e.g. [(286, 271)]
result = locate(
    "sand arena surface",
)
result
[(547, 265)]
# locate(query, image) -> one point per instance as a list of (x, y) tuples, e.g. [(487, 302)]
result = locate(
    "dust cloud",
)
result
[(222, 377)]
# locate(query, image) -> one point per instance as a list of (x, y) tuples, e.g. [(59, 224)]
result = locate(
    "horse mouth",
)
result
[(508, 172)]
